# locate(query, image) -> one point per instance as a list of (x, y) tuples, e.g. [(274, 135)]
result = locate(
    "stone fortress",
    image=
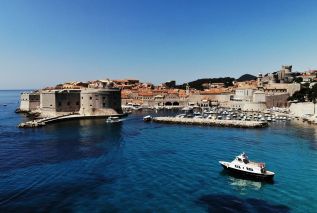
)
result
[(98, 98)]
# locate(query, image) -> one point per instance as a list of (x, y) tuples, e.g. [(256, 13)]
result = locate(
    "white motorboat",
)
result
[(245, 168), (147, 118), (113, 119)]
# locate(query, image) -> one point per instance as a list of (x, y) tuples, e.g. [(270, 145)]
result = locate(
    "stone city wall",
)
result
[(95, 102), (301, 109), (29, 102), (277, 100)]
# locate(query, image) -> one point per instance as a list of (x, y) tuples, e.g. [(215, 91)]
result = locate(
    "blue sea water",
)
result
[(91, 166)]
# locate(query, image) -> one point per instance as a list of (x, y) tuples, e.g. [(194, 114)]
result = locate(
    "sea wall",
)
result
[(29, 101), (277, 100), (59, 102), (301, 109), (245, 105), (254, 107)]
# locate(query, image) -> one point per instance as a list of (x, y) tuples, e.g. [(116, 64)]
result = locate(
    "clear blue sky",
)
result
[(47, 42)]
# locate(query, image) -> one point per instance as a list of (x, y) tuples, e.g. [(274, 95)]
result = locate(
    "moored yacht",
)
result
[(245, 168), (148, 118), (114, 119)]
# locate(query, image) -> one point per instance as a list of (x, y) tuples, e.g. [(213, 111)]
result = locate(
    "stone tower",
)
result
[(260, 82), (187, 89), (287, 68)]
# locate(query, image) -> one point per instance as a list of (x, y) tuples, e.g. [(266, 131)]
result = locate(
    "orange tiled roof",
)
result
[(214, 91), (145, 94)]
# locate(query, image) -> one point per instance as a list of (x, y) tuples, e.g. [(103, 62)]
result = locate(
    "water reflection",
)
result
[(244, 185), (64, 141), (314, 142), (305, 131)]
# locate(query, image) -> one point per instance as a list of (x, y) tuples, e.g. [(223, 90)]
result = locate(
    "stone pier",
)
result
[(211, 122)]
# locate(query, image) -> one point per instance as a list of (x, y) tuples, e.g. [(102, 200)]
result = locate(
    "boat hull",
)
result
[(248, 175)]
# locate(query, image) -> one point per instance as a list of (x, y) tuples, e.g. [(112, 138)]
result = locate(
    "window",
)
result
[(59, 104), (90, 98), (68, 103), (77, 103), (104, 105)]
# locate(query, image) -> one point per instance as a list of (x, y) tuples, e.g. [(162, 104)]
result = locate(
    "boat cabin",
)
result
[(242, 162)]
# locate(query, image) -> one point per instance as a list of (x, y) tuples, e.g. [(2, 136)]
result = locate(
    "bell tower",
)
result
[(260, 82)]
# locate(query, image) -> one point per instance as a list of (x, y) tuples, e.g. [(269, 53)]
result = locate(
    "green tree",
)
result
[(312, 96), (298, 96), (298, 80)]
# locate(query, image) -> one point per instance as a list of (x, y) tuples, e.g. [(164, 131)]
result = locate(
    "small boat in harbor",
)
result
[(243, 167), (147, 118), (113, 120)]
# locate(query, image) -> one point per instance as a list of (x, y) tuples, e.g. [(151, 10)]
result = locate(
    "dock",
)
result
[(44, 121), (211, 122)]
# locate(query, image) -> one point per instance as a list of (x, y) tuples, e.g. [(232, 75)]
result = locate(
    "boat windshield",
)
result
[(246, 161)]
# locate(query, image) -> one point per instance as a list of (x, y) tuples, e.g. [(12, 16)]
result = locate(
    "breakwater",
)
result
[(211, 122), (43, 121)]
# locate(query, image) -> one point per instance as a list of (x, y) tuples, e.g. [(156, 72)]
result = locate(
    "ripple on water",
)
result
[(230, 203)]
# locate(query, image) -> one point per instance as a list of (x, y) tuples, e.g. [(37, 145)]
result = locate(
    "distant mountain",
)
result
[(247, 77), (198, 84)]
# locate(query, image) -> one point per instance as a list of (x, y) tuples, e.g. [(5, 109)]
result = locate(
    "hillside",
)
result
[(198, 84), (246, 77)]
